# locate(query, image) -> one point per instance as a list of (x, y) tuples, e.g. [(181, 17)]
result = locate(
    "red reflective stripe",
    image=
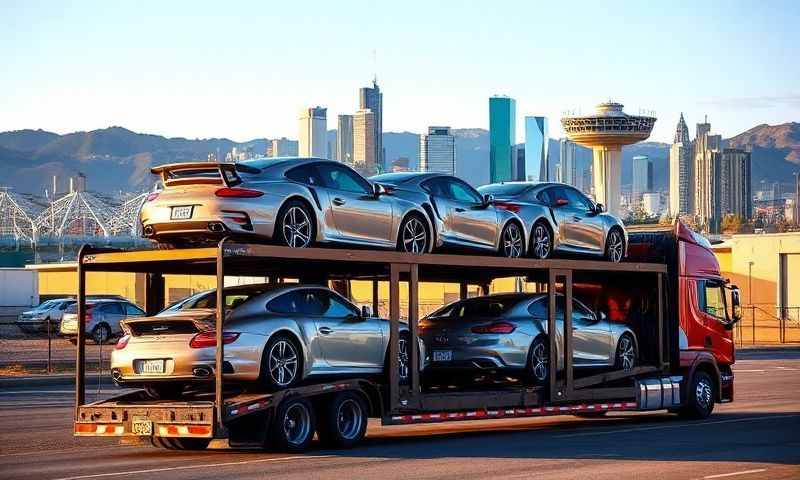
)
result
[(199, 430), (85, 427)]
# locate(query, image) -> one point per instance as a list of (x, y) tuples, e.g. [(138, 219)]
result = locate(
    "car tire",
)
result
[(537, 371), (403, 364), (413, 235), (344, 420), (626, 356), (512, 242), (615, 246), (295, 226), (282, 363), (293, 426), (541, 241), (101, 334), (700, 397)]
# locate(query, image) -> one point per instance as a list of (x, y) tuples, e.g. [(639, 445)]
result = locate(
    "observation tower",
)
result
[(605, 132)]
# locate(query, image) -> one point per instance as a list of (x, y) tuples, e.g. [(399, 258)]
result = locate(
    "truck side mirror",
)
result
[(736, 307)]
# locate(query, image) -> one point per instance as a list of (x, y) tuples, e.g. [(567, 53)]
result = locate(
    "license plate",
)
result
[(181, 213), (142, 426), (442, 355), (152, 366)]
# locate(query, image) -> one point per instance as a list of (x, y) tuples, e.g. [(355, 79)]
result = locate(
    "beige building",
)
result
[(312, 141), (364, 138)]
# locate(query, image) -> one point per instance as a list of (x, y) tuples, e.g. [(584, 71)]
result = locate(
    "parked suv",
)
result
[(36, 319), (103, 317)]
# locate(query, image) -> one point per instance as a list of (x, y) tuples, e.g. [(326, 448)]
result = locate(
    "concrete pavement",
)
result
[(754, 437)]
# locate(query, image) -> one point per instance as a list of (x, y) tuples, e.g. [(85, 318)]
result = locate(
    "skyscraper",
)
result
[(502, 136), (313, 130), (707, 158), (735, 197), (364, 139), (344, 139), (371, 98), (283, 147), (437, 151), (568, 162), (681, 172), (642, 177), (536, 150)]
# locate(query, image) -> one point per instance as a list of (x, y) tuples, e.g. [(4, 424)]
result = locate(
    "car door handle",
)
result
[(338, 201), (325, 330), (459, 209), (576, 219)]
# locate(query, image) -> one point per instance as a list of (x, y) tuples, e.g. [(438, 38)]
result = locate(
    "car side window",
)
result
[(577, 199), (305, 302), (305, 174), (580, 310), (337, 308), (113, 309), (462, 192), (436, 187), (131, 309), (559, 193), (341, 178), (289, 302), (64, 305), (545, 196), (711, 299), (538, 309)]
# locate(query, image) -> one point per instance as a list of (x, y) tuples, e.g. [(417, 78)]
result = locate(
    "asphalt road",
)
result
[(757, 436)]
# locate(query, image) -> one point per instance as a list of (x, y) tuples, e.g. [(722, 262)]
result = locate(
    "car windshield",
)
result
[(46, 305), (504, 189), (478, 307)]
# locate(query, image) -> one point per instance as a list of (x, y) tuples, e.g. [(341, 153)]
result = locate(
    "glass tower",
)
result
[(502, 135), (536, 150)]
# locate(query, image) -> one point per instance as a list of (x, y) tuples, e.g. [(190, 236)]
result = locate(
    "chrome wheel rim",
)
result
[(100, 334), (349, 419), (402, 359), (627, 353), (703, 393), (541, 241), (539, 361), (296, 424), (296, 228), (282, 363), (415, 237), (615, 246), (512, 241)]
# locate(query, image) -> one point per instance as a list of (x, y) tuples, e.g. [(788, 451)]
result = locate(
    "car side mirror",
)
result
[(355, 318), (366, 312), (599, 208), (488, 199), (378, 189), (602, 316), (560, 202)]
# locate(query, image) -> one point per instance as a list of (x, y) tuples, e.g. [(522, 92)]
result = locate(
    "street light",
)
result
[(750, 280)]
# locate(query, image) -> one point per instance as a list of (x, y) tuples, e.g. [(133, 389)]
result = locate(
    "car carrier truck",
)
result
[(670, 290)]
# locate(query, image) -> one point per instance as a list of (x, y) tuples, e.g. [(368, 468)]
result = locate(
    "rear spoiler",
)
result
[(228, 173)]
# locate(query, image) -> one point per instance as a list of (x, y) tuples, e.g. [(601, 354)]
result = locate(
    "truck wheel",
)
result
[(294, 425), (700, 398), (281, 366), (344, 421), (538, 371)]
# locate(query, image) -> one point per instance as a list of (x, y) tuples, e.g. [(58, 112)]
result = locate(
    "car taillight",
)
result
[(511, 207), (234, 192), (122, 342), (87, 317), (209, 339), (152, 196), (497, 327)]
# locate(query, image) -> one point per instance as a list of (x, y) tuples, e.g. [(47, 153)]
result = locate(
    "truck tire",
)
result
[(700, 397), (344, 421), (293, 427)]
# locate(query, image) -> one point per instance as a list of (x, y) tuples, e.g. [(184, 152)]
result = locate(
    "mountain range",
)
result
[(116, 159)]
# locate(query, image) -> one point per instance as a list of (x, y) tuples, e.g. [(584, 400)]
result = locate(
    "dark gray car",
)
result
[(559, 218)]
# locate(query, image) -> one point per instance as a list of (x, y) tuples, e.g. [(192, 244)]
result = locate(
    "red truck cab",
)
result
[(706, 306)]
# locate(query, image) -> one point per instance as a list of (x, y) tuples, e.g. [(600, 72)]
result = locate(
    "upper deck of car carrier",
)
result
[(393, 402)]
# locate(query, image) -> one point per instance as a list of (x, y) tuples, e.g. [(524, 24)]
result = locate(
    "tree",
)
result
[(731, 224)]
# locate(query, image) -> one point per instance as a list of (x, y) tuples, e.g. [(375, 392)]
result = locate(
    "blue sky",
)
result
[(242, 69)]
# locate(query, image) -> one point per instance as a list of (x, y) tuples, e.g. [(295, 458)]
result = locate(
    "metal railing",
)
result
[(768, 324)]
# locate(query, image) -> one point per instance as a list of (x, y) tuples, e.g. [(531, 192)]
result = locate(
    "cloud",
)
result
[(753, 103)]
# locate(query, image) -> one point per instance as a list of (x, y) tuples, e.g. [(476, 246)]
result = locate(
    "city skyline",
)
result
[(123, 78)]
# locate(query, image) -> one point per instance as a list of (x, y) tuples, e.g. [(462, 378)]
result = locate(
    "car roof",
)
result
[(278, 166), (405, 177)]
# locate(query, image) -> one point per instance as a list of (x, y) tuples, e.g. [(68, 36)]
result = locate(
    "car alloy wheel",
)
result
[(282, 363), (414, 236), (615, 247), (101, 334), (402, 359), (541, 241), (626, 353), (512, 241), (539, 361), (296, 227)]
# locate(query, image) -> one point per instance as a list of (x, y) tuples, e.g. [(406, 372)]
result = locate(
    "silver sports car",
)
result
[(559, 218), (293, 201), (509, 332), (461, 216), (277, 335)]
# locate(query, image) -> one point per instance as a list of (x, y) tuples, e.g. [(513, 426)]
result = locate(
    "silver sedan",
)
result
[(559, 218), (274, 335), (508, 332), (461, 216), (294, 201)]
